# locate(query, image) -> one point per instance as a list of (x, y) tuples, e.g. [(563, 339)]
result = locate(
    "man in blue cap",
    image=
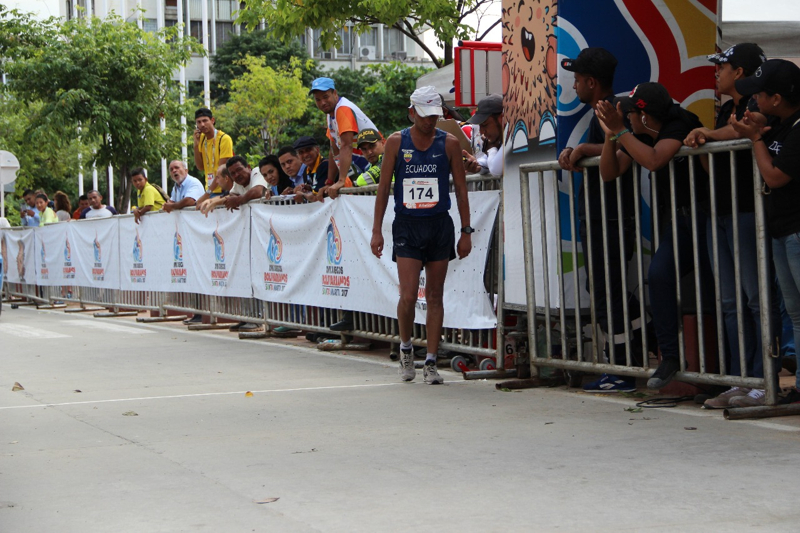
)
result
[(344, 120)]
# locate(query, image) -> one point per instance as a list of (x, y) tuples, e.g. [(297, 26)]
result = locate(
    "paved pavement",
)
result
[(129, 428)]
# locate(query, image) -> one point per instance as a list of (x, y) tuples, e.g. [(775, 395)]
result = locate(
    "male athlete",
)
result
[(422, 158)]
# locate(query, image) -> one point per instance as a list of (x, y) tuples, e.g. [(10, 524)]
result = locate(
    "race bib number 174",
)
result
[(420, 193)]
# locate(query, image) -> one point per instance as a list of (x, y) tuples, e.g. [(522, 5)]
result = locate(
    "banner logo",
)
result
[(219, 274), (334, 242), (275, 279), (334, 280), (178, 272), (44, 272), (98, 272), (21, 262), (67, 252), (138, 272)]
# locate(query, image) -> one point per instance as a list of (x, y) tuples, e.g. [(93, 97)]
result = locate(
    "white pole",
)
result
[(139, 16), (80, 174), (163, 122), (105, 8), (89, 11), (213, 29), (206, 63), (110, 186), (182, 78), (74, 9), (94, 177)]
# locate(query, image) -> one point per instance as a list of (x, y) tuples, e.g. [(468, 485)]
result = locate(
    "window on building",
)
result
[(150, 25), (392, 41), (224, 32), (369, 37), (348, 38), (196, 30), (316, 47)]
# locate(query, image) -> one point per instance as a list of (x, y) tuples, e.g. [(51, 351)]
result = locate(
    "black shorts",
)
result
[(424, 238)]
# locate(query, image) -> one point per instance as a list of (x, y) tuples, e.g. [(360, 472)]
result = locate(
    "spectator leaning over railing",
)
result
[(83, 203), (62, 206), (294, 168), (46, 214), (187, 189), (652, 113), (737, 62), (315, 167), (212, 148), (29, 214), (278, 181), (776, 144), (209, 201), (344, 121), (594, 80), (249, 184), (97, 209), (148, 198)]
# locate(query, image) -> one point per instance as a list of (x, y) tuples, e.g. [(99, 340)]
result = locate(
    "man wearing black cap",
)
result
[(212, 147), (316, 168), (371, 143), (594, 79), (489, 116), (737, 62)]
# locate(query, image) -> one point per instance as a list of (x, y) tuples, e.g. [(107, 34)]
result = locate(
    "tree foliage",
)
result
[(226, 62), (113, 80), (263, 98), (288, 19)]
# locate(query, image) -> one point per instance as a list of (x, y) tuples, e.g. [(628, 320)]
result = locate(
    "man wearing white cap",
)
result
[(422, 158)]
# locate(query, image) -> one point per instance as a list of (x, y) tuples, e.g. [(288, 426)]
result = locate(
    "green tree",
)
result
[(115, 82), (385, 100), (264, 99), (288, 19), (226, 63)]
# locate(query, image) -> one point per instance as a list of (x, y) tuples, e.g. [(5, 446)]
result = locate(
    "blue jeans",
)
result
[(662, 281), (748, 270), (786, 255)]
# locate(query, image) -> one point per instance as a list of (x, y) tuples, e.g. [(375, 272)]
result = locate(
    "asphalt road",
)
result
[(125, 427)]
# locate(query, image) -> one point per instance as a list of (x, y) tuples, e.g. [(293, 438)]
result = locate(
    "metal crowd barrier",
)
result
[(563, 328)]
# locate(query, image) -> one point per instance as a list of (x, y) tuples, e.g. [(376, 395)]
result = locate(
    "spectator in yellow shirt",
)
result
[(46, 214), (148, 198), (212, 147)]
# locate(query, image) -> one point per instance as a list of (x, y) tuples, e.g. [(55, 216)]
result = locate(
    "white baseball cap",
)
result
[(426, 102)]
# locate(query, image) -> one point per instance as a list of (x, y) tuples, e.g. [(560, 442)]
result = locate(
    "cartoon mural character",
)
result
[(530, 64)]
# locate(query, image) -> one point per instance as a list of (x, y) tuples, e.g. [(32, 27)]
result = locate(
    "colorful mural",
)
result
[(529, 73)]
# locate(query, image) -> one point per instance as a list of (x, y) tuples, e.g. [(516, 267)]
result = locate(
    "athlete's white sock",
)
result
[(430, 357), (406, 345)]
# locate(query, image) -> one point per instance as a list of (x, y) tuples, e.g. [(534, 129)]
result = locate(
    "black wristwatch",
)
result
[(468, 230)]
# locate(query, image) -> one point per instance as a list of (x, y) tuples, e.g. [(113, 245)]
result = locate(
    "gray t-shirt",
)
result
[(104, 212)]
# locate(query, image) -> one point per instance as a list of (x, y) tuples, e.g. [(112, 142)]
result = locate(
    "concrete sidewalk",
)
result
[(163, 437)]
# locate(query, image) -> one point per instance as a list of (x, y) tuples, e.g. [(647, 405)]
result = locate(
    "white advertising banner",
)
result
[(18, 256), (150, 254), (319, 254), (55, 261), (94, 247), (215, 252)]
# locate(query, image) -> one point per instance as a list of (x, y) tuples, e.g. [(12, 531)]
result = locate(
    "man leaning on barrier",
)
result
[(659, 127), (249, 183), (148, 198), (97, 209), (187, 189), (737, 62), (209, 201), (594, 80)]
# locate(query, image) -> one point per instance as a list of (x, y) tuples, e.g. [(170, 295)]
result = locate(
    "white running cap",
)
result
[(426, 101)]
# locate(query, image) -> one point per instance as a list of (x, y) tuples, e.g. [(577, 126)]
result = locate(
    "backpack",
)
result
[(161, 191)]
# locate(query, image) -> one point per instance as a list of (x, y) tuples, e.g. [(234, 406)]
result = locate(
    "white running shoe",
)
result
[(431, 374), (407, 371)]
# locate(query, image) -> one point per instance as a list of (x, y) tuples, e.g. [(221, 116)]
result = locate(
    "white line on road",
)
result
[(198, 395), (108, 326), (28, 332)]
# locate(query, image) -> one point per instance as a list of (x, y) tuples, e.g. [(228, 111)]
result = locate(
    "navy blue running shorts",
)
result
[(424, 238)]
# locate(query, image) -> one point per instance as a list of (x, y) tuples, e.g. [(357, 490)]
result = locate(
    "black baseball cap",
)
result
[(775, 76), (368, 135), (488, 106), (748, 56), (595, 62), (650, 96), (305, 142)]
